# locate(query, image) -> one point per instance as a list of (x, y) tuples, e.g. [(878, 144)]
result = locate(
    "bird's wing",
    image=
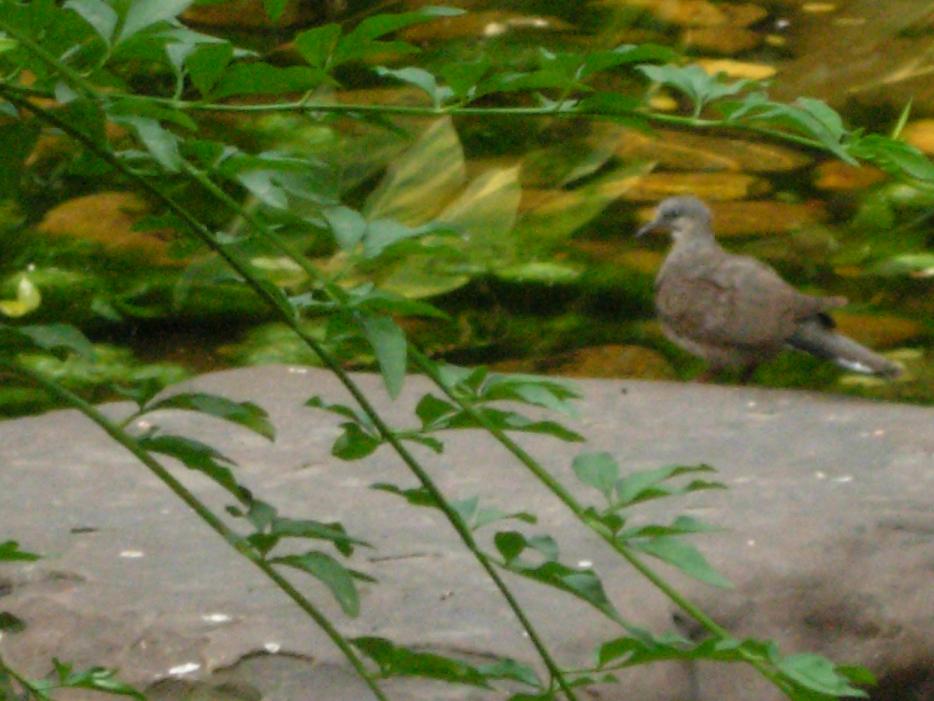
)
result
[(727, 300)]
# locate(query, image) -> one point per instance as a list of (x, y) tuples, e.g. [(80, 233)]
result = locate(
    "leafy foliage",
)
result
[(134, 65)]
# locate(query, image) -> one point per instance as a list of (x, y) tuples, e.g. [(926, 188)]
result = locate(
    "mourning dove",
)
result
[(734, 310)]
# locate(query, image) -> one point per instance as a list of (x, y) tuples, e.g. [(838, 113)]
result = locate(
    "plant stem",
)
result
[(236, 541), (27, 685), (387, 434), (304, 105), (429, 368), (70, 74)]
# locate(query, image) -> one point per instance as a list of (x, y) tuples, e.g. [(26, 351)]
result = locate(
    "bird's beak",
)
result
[(653, 225)]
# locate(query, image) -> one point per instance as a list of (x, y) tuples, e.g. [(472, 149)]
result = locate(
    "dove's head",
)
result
[(685, 217)]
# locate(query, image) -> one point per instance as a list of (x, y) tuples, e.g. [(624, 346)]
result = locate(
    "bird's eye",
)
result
[(672, 214)]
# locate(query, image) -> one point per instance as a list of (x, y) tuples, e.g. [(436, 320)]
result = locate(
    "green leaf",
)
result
[(681, 554), (581, 582), (918, 264), (511, 670), (549, 393), (57, 336), (817, 674), (436, 414), (382, 234), (246, 414), (511, 421), (347, 225), (896, 157), (902, 120), (805, 116), (329, 572), (198, 456), (160, 142), (599, 470), (101, 16), (380, 25), (308, 528), (316, 45), (420, 78), (597, 61), (427, 441), (416, 496), (398, 661), (354, 443), (476, 516), (207, 63), (10, 552), (463, 76), (432, 411), (682, 525), (265, 79), (262, 185), (95, 678), (510, 544), (17, 139), (610, 103), (145, 13), (389, 344), (633, 651), (419, 181), (368, 298), (274, 8), (695, 83), (360, 42), (643, 485), (10, 624), (353, 413)]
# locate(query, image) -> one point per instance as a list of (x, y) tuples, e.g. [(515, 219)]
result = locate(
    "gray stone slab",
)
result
[(828, 538)]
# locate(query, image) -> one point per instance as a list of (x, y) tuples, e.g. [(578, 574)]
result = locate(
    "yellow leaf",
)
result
[(27, 299)]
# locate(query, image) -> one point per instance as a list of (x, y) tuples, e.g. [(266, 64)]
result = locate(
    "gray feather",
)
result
[(818, 339)]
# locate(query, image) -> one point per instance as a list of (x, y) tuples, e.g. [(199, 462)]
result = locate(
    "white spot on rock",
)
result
[(132, 554), (843, 478), (820, 475), (584, 563), (272, 648), (216, 618), (186, 668)]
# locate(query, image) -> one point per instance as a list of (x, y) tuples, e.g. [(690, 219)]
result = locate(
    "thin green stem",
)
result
[(70, 74), (26, 685), (387, 434), (304, 105), (235, 540), (429, 368), (394, 438)]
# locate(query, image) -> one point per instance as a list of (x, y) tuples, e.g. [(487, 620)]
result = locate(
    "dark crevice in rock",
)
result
[(914, 683)]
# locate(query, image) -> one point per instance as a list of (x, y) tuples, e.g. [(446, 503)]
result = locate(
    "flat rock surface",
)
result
[(828, 539)]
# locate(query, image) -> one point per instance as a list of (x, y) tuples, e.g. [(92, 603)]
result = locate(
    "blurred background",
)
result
[(551, 280)]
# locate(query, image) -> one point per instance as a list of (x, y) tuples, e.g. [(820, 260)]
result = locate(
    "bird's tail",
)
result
[(817, 337)]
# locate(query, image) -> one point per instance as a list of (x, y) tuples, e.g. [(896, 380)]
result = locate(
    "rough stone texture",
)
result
[(829, 541)]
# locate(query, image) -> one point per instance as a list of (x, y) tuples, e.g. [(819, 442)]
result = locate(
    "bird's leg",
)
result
[(747, 373), (709, 375)]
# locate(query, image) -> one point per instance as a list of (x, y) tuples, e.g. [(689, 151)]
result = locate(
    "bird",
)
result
[(736, 311)]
